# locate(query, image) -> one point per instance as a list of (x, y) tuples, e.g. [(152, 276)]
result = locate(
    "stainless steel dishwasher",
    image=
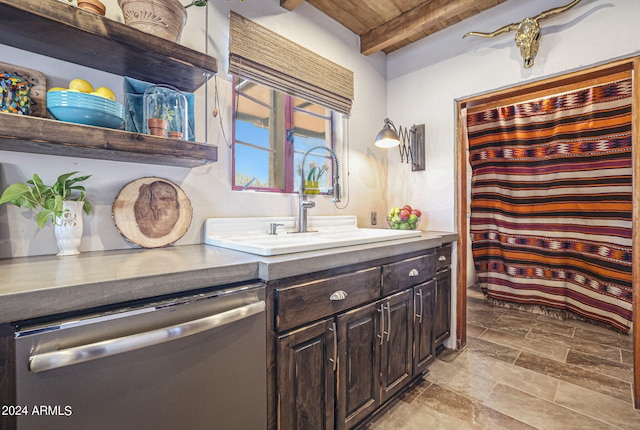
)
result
[(194, 362)]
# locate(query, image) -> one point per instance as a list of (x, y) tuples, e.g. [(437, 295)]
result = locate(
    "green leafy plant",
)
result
[(168, 114), (316, 172), (158, 106), (199, 3), (160, 109), (34, 195)]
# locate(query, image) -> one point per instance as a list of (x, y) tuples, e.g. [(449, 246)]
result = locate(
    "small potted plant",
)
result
[(61, 203), (159, 123), (165, 108), (175, 128), (312, 181)]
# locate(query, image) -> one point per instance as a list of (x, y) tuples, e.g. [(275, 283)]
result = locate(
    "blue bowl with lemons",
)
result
[(84, 108)]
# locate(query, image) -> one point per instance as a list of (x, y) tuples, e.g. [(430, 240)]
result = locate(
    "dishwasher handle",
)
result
[(106, 348)]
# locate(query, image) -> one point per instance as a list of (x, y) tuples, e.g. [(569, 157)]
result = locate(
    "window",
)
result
[(272, 132)]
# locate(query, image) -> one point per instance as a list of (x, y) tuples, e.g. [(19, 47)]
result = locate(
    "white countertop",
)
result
[(46, 285)]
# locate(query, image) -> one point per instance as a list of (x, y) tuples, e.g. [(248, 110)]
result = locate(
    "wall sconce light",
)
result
[(410, 143)]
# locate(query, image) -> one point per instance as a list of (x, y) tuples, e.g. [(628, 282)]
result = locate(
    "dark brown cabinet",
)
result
[(376, 333), (374, 356), (311, 359), (306, 366), (424, 340)]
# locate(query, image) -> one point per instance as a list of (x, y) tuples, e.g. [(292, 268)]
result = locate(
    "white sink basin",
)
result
[(251, 234)]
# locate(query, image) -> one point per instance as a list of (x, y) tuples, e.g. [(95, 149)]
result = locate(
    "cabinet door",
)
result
[(359, 336), (424, 345), (442, 318), (306, 375), (396, 359)]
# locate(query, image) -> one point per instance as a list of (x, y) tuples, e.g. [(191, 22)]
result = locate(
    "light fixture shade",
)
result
[(388, 137)]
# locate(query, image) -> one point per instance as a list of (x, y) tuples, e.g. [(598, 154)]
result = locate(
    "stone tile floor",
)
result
[(523, 370)]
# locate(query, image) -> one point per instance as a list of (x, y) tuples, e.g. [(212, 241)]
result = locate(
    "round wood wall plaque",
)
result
[(152, 212)]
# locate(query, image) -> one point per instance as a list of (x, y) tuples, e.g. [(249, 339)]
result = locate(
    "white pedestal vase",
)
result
[(69, 229)]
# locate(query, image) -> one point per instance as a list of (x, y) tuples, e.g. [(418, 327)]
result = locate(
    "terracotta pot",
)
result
[(164, 18), (175, 134), (158, 126), (92, 5)]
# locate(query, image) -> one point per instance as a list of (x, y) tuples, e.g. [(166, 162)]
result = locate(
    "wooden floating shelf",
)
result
[(47, 136), (58, 30), (68, 33)]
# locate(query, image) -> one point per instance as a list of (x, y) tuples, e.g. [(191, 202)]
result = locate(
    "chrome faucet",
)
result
[(306, 204), (302, 214)]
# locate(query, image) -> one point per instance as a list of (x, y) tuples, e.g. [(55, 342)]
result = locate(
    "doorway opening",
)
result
[(598, 75)]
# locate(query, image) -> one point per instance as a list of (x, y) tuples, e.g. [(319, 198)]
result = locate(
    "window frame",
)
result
[(287, 142)]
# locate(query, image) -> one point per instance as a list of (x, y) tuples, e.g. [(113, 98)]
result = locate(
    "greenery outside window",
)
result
[(271, 133)]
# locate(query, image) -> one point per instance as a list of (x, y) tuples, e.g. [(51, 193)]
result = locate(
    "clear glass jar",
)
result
[(165, 112)]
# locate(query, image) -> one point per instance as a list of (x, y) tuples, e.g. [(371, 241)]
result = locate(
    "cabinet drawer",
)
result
[(444, 256), (316, 299), (406, 273)]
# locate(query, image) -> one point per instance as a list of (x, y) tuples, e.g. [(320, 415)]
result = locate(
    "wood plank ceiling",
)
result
[(388, 25)]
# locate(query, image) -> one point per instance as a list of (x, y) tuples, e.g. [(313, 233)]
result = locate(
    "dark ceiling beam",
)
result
[(428, 17), (290, 4)]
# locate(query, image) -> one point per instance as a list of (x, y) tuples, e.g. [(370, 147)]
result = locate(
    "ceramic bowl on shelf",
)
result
[(83, 108)]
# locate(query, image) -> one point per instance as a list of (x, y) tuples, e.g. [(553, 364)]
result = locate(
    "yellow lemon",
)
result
[(95, 93), (81, 85), (106, 92), (56, 89)]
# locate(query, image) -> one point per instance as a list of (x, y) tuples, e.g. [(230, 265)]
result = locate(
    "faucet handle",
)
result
[(273, 228)]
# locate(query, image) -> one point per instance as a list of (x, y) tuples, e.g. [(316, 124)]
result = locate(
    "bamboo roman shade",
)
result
[(265, 57)]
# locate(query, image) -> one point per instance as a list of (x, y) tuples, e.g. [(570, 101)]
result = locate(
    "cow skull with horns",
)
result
[(527, 32)]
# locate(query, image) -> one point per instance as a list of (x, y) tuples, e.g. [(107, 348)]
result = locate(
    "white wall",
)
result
[(426, 78), (208, 187)]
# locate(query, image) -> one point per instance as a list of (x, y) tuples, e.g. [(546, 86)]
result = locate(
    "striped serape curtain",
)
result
[(551, 203)]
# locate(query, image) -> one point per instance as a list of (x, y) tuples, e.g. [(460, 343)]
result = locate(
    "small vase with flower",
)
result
[(312, 181)]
